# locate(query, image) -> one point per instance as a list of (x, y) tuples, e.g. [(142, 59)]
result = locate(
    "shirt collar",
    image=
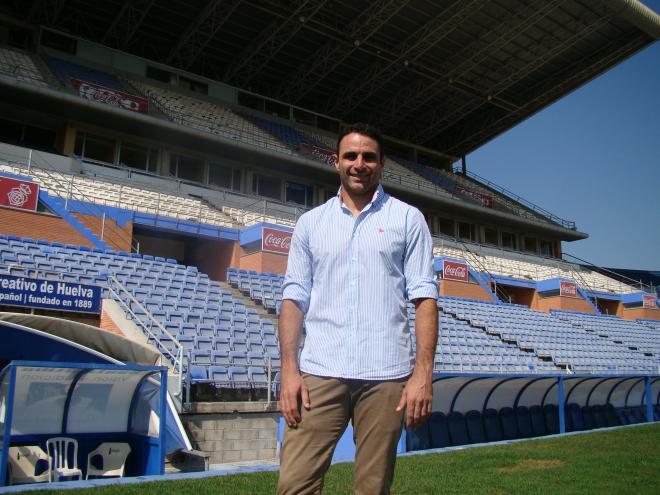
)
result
[(379, 195)]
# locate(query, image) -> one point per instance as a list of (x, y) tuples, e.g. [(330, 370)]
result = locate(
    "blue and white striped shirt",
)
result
[(351, 277)]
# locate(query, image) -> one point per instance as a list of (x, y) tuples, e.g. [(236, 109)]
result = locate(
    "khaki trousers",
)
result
[(307, 449)]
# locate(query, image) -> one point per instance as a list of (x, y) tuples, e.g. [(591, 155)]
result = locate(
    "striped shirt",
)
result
[(351, 277)]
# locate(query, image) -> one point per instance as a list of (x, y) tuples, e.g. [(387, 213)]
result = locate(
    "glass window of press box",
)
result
[(530, 244), (187, 168), (224, 177), (300, 194), (138, 157), (93, 147), (268, 187), (509, 240), (547, 248), (466, 231)]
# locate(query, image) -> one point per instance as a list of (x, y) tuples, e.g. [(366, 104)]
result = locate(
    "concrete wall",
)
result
[(264, 262), (235, 436), (643, 313), (452, 288), (40, 226), (566, 303)]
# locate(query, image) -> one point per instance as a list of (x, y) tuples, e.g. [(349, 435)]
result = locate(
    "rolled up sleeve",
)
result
[(297, 284), (418, 259)]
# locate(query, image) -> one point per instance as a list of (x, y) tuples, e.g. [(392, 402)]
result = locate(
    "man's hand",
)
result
[(292, 391), (416, 399)]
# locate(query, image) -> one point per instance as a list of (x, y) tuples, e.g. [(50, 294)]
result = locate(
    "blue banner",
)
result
[(49, 294)]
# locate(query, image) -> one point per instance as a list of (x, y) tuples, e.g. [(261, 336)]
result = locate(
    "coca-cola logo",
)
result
[(568, 289), (649, 302), (276, 241), (109, 96), (452, 270)]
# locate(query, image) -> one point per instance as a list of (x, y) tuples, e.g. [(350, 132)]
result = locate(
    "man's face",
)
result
[(359, 164)]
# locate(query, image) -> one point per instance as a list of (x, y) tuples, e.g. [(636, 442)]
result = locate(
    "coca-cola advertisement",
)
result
[(649, 302), (455, 270), (275, 241), (484, 199), (568, 289), (114, 97), (322, 154), (19, 194)]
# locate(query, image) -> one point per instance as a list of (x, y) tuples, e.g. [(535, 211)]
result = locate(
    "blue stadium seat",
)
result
[(418, 438), (200, 357), (439, 431), (457, 428), (523, 421), (508, 422), (238, 376), (574, 415), (198, 373), (599, 416), (610, 414), (257, 376), (220, 358), (475, 427), (492, 426), (538, 421), (220, 376), (551, 414), (588, 418)]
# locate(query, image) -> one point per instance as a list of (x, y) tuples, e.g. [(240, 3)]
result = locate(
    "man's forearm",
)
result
[(290, 329), (426, 333)]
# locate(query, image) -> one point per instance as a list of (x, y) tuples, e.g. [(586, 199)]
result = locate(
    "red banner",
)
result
[(649, 302), (114, 97), (322, 154), (455, 270), (275, 241), (568, 289), (19, 194), (484, 199)]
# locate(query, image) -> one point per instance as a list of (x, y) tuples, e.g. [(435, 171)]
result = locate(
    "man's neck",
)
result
[(356, 203)]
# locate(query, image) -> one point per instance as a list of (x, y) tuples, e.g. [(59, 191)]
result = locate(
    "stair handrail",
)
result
[(66, 189), (117, 297), (501, 293), (569, 224), (633, 283)]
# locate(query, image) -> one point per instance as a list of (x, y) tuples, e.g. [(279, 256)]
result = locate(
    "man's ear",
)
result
[(334, 160)]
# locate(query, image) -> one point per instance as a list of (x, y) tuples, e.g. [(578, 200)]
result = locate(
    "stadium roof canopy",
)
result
[(448, 75)]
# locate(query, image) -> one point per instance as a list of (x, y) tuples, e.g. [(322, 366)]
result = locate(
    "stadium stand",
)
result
[(568, 346), (208, 117), (66, 72), (528, 267), (20, 66), (501, 371)]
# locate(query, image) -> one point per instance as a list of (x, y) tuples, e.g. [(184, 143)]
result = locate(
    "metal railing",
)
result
[(67, 190), (569, 224), (125, 299), (637, 284)]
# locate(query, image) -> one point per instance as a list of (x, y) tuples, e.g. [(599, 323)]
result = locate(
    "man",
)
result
[(353, 263)]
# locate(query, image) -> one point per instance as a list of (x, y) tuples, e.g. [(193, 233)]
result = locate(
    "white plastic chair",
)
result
[(23, 464), (113, 459), (59, 453)]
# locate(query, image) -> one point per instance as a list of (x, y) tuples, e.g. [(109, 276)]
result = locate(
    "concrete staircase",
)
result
[(249, 303)]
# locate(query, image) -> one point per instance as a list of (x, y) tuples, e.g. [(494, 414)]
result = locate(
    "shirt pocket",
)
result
[(387, 247)]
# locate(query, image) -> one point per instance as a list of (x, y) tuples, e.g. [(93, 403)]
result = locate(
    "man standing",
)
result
[(353, 263)]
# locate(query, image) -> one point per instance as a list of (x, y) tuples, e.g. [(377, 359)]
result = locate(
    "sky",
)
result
[(593, 157)]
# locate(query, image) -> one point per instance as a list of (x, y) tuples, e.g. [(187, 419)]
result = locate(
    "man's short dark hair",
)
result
[(364, 130)]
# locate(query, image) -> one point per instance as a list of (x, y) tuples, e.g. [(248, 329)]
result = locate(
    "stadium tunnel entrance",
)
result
[(209, 255)]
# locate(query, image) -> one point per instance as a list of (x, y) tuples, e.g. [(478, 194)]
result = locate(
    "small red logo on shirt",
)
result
[(381, 229)]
